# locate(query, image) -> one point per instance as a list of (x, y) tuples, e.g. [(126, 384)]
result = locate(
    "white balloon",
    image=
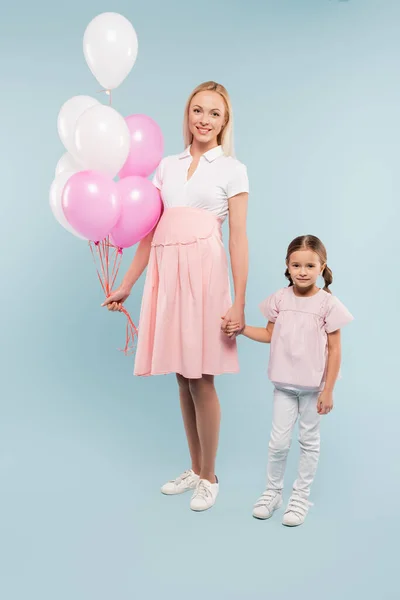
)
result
[(69, 113), (67, 163), (56, 190), (102, 140), (110, 47)]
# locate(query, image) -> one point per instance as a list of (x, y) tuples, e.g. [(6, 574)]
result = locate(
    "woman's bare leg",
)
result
[(189, 421), (208, 417)]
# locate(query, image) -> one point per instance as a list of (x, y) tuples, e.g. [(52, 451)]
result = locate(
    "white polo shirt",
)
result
[(217, 178)]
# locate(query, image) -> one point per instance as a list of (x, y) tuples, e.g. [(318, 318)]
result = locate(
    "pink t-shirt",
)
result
[(299, 345)]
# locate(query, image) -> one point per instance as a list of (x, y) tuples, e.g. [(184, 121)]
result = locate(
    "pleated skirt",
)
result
[(186, 293)]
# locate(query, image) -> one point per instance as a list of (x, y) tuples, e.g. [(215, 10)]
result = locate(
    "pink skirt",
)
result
[(185, 295)]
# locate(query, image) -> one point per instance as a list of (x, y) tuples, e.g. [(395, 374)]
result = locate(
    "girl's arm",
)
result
[(325, 400), (238, 251), (334, 359), (259, 334)]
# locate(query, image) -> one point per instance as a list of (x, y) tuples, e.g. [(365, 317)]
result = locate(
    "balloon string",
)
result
[(131, 334), (115, 269), (102, 251), (94, 260), (108, 92), (107, 261), (103, 270)]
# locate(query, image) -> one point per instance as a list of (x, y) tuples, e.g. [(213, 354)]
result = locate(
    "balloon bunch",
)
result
[(100, 192)]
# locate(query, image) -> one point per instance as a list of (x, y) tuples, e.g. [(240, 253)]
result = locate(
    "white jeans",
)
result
[(288, 407)]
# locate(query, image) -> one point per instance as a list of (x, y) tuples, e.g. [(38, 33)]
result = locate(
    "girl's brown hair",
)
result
[(310, 242)]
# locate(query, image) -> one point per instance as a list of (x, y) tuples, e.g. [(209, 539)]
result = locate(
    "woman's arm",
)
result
[(138, 265), (238, 250), (238, 245), (139, 262)]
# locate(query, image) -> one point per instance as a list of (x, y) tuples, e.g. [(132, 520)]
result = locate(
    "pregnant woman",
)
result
[(187, 291)]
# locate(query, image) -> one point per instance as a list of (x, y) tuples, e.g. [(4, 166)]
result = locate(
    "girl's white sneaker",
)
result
[(267, 504), (296, 511)]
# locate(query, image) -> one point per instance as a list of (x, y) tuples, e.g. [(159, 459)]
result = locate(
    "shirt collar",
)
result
[(210, 155), (185, 153)]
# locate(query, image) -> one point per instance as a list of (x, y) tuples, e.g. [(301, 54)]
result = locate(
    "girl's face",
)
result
[(207, 114), (304, 268)]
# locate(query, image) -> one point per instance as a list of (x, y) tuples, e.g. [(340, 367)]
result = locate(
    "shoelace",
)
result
[(298, 506), (202, 490), (182, 477), (266, 498)]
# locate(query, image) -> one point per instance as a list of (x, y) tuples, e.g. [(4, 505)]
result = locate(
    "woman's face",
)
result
[(207, 115)]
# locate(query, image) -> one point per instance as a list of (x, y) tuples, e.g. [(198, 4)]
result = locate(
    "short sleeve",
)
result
[(271, 306), (336, 316), (238, 181), (158, 175)]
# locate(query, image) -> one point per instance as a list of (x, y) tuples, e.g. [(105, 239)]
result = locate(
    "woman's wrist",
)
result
[(240, 302), (126, 287)]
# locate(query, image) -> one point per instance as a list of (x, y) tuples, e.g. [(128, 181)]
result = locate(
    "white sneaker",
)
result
[(267, 504), (185, 482), (204, 495), (296, 511)]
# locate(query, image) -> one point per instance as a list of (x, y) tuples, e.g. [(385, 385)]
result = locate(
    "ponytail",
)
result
[(328, 278), (287, 275)]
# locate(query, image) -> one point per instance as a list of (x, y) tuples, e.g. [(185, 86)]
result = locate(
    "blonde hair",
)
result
[(225, 137)]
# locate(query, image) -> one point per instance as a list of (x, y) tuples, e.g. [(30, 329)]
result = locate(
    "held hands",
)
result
[(233, 322), (325, 403), (116, 299)]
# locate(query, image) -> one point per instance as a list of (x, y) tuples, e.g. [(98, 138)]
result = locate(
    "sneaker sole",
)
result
[(201, 509), (177, 493), (269, 516), (290, 525)]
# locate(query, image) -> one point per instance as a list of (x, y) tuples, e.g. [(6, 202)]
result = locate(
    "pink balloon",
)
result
[(141, 209), (91, 204), (147, 147)]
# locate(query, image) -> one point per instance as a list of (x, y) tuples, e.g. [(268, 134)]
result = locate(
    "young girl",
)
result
[(303, 327)]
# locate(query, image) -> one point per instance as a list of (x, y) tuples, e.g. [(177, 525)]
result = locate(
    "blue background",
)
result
[(84, 446)]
